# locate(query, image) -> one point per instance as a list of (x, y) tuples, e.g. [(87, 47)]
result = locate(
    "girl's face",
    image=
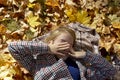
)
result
[(64, 37)]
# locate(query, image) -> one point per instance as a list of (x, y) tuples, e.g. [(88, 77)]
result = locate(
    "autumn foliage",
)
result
[(27, 19)]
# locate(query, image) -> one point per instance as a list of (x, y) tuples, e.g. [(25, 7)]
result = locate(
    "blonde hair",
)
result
[(58, 31)]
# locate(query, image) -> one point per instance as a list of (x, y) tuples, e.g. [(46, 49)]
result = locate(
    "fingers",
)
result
[(72, 55), (63, 43), (63, 48)]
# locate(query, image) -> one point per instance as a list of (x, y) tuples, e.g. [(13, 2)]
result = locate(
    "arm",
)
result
[(23, 52), (99, 68), (29, 47), (103, 69)]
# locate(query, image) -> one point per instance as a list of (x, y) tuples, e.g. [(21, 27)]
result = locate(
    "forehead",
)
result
[(65, 37)]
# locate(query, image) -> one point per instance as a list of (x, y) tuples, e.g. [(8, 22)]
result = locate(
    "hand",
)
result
[(77, 54), (57, 49)]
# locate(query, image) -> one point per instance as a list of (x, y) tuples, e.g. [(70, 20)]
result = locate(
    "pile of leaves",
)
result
[(27, 19)]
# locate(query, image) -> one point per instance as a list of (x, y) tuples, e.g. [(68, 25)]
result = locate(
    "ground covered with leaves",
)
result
[(27, 19)]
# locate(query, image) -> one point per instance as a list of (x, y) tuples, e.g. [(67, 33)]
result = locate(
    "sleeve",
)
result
[(100, 68), (24, 52)]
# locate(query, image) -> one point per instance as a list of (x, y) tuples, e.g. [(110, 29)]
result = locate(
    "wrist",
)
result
[(83, 54)]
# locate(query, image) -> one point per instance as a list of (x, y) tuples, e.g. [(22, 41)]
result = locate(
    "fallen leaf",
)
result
[(31, 5), (118, 34), (70, 2), (32, 20), (3, 29), (105, 30), (31, 1), (116, 47), (52, 3), (3, 2), (79, 16), (116, 25)]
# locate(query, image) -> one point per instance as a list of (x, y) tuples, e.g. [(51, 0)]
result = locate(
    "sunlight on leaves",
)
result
[(52, 3), (31, 1), (32, 20), (79, 16), (3, 29), (30, 5)]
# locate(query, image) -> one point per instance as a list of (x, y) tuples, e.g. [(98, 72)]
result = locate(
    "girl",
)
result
[(56, 59)]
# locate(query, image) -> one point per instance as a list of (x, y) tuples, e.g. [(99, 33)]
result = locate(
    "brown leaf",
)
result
[(107, 43), (106, 30), (18, 15), (16, 36), (3, 2), (52, 3)]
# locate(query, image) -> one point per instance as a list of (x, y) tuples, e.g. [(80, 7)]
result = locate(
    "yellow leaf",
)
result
[(114, 18), (7, 58), (116, 47), (53, 3), (79, 16), (82, 17), (107, 44), (3, 29), (30, 5), (70, 2), (72, 18), (69, 12), (116, 25), (32, 20), (106, 30), (118, 34)]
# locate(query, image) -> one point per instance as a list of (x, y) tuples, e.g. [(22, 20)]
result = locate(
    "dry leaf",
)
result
[(107, 43), (31, 5), (79, 16), (3, 29), (117, 48), (106, 30), (32, 20), (52, 3), (3, 2), (116, 25), (70, 2), (118, 34), (13, 26), (31, 1)]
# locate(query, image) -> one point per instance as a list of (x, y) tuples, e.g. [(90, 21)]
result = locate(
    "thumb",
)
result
[(70, 54)]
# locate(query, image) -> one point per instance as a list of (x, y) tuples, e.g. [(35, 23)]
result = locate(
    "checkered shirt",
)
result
[(35, 57)]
